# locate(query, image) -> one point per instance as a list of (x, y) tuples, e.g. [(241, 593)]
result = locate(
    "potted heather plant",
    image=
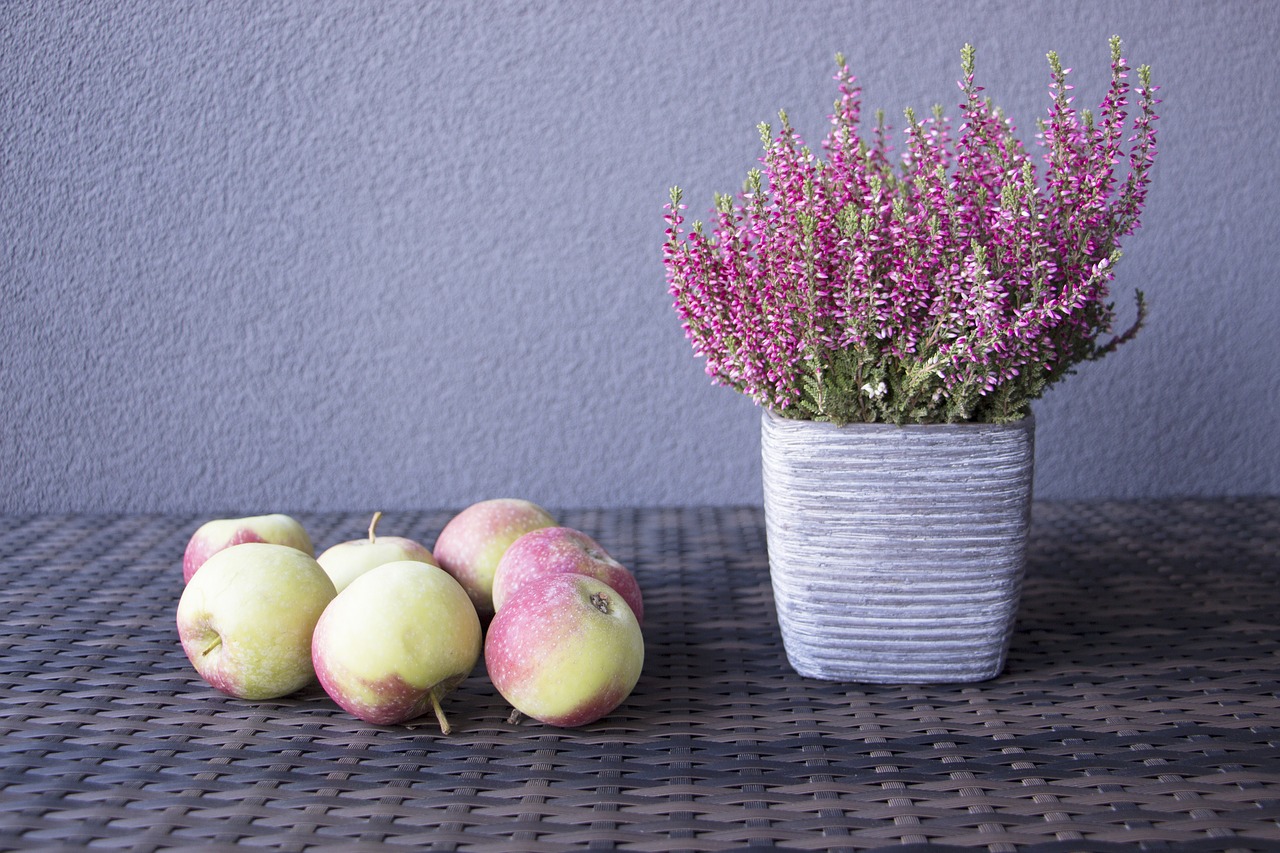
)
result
[(896, 320)]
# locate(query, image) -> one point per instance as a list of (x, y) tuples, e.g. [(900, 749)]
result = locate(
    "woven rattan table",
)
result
[(1140, 709)]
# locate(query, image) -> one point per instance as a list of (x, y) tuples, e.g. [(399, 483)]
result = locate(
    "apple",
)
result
[(245, 620), (213, 536), (564, 649), (396, 641), (555, 550), (475, 539), (346, 561)]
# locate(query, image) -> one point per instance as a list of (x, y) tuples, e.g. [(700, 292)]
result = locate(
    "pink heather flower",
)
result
[(955, 284)]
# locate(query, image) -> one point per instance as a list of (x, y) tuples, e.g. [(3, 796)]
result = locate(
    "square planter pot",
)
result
[(897, 553)]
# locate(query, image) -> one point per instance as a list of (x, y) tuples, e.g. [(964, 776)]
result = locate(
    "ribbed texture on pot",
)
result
[(897, 553)]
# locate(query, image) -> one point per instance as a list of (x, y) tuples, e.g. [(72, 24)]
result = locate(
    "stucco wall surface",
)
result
[(291, 255)]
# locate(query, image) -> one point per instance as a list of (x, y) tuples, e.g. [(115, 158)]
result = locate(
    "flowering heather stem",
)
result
[(955, 285)]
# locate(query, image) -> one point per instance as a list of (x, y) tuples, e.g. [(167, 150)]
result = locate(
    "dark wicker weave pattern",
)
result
[(1139, 709)]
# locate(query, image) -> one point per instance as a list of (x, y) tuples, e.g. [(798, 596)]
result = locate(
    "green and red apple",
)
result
[(564, 649), (473, 542), (559, 550), (213, 536), (246, 619), (395, 642), (346, 561)]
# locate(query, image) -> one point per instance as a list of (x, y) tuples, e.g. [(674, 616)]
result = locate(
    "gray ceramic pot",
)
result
[(897, 553)]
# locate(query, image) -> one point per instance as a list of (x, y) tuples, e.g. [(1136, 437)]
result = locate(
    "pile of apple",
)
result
[(390, 627)]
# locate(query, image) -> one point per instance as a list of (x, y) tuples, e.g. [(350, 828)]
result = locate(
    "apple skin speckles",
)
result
[(247, 617), (565, 649), (395, 641), (384, 702), (558, 550), (220, 534), (473, 542)]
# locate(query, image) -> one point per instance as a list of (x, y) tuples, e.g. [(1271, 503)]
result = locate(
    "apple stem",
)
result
[(372, 536), (445, 728), (217, 641), (516, 716)]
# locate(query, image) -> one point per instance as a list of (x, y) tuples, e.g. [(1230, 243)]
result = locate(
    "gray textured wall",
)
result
[(295, 255)]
